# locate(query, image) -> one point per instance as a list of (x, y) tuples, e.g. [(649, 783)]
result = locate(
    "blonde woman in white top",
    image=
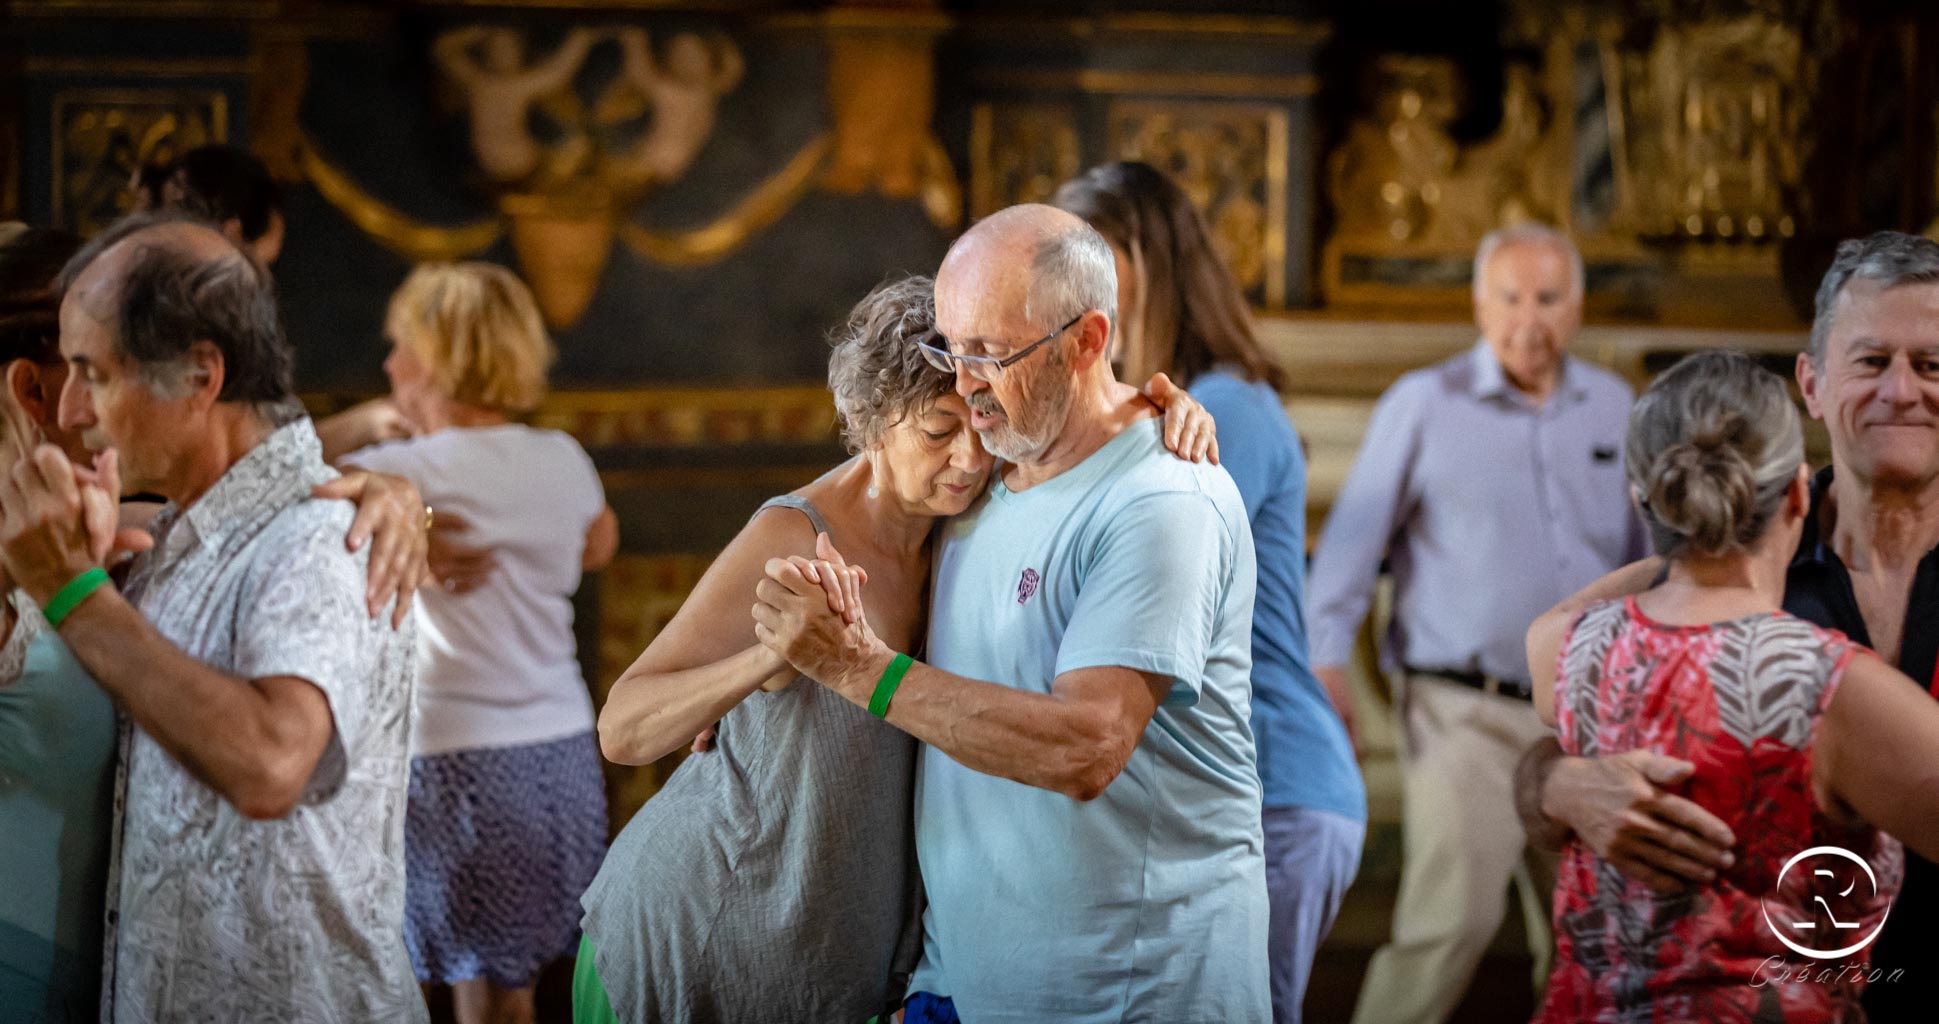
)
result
[(507, 814)]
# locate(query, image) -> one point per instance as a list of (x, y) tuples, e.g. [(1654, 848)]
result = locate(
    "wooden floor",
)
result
[(1500, 993)]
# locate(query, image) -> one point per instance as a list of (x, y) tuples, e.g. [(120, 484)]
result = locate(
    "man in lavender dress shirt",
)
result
[(1492, 484)]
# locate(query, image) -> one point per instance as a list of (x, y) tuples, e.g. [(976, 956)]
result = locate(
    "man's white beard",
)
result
[(1007, 444), (1012, 445)]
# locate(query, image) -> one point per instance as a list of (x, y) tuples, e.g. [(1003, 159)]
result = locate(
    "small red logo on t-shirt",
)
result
[(1027, 585)]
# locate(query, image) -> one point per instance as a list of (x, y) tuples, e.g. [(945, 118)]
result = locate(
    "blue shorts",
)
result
[(924, 1008)]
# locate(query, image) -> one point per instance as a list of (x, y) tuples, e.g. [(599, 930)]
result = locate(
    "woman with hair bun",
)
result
[(1803, 741)]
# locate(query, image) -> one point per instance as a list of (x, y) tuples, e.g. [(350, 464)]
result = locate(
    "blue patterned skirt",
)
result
[(499, 843)]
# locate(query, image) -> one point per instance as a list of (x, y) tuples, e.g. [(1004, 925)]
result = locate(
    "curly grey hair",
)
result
[(876, 372)]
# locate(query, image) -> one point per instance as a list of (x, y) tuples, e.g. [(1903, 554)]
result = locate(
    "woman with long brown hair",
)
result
[(1181, 313)]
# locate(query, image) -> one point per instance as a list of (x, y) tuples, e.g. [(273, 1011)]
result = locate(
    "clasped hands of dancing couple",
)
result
[(808, 613)]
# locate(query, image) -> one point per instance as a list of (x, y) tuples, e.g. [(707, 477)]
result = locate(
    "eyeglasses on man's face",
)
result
[(986, 368)]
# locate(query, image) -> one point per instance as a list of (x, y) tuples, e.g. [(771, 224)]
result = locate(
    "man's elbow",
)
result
[(1099, 752), (1087, 784), (274, 789)]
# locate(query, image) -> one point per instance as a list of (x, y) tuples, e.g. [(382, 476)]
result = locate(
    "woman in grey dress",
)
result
[(774, 877)]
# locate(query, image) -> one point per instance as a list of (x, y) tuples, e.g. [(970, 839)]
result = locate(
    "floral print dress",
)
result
[(1742, 701)]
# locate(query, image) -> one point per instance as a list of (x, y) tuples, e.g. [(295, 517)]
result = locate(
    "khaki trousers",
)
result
[(1462, 845)]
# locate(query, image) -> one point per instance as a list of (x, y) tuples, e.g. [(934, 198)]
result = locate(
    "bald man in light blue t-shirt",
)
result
[(1088, 801)]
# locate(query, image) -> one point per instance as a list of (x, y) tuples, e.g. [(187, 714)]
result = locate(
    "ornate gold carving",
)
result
[(700, 246), (679, 87), (102, 135), (1408, 197), (562, 246), (275, 103), (1705, 130), (565, 201), (753, 214), (1020, 153), (1401, 182), (1387, 178), (1506, 173), (882, 93), (391, 228), (1231, 159)]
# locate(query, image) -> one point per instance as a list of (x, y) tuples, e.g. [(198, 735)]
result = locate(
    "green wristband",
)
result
[(885, 687), (69, 597)]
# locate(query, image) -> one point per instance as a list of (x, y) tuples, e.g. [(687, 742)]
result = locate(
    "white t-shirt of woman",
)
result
[(497, 665)]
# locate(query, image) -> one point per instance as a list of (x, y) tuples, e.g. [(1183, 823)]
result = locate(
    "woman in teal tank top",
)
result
[(57, 734)]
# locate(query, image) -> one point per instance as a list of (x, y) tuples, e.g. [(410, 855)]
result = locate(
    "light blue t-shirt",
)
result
[(1148, 903), (1305, 758)]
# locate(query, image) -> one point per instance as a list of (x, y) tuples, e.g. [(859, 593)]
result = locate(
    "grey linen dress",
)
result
[(773, 878)]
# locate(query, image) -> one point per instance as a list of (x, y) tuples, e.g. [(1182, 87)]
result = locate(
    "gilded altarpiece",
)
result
[(1676, 141), (1224, 103), (1020, 152), (1231, 158)]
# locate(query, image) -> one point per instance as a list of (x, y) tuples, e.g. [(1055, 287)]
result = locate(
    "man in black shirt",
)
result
[(1867, 565)]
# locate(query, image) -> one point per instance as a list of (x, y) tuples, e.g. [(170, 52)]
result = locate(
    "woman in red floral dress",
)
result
[(1801, 738)]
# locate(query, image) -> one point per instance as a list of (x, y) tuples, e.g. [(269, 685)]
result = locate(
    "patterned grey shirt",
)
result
[(220, 918)]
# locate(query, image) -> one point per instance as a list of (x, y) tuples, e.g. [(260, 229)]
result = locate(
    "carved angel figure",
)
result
[(682, 88), (500, 89)]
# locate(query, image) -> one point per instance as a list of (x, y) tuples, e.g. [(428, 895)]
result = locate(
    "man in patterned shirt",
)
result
[(263, 784)]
